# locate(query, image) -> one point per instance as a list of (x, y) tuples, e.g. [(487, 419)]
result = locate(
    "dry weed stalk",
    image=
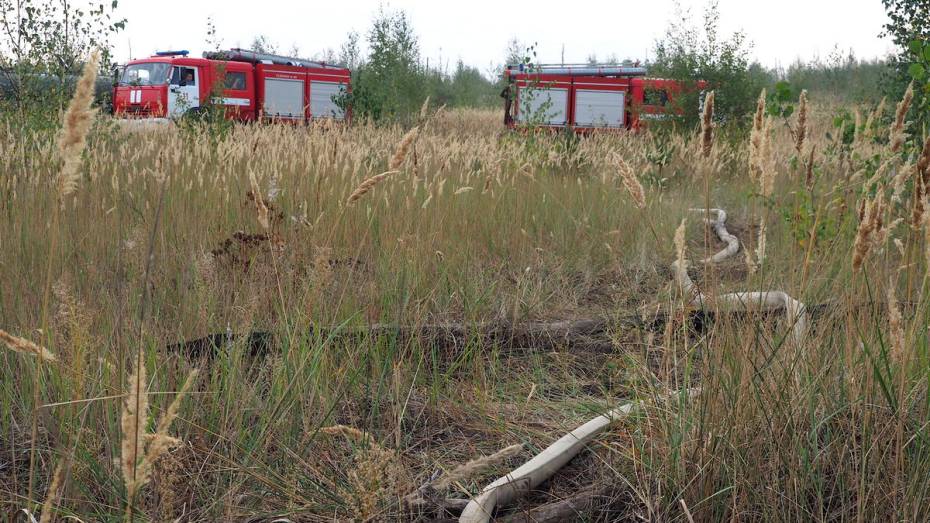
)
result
[(632, 184), (896, 135), (766, 165), (756, 139), (875, 116), (761, 242), (424, 108), (78, 119), (922, 167), (802, 122), (895, 326), (260, 207), (24, 346), (920, 194), (378, 474), (707, 125)]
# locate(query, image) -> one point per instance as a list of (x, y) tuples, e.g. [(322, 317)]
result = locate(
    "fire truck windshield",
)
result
[(153, 73)]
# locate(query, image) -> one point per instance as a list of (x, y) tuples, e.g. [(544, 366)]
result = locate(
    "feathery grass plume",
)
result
[(24, 346), (896, 135), (870, 230), (707, 125), (476, 466), (53, 494), (802, 122), (73, 136), (632, 184), (756, 139), (349, 433), (680, 242), (133, 421), (367, 185), (402, 148), (172, 413), (141, 449), (260, 206)]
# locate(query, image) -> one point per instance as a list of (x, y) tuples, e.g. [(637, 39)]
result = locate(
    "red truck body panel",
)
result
[(249, 90), (590, 100)]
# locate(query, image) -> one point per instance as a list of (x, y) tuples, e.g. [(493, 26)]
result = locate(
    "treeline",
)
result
[(392, 78)]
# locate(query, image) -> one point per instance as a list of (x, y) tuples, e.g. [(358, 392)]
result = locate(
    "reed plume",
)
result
[(78, 118), (632, 184), (707, 125), (896, 135), (870, 230), (367, 185), (402, 149), (24, 346)]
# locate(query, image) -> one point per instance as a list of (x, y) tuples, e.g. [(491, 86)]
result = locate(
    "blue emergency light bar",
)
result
[(172, 53)]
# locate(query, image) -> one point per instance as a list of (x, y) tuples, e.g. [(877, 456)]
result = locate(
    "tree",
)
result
[(908, 27), (43, 46), (690, 54), (349, 53), (263, 44), (390, 83)]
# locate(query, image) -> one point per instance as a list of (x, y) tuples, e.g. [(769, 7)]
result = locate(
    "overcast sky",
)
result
[(477, 31)]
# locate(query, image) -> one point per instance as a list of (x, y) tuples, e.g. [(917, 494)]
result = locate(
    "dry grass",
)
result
[(475, 225)]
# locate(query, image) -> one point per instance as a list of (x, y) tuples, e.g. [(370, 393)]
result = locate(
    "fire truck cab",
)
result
[(250, 86), (585, 98)]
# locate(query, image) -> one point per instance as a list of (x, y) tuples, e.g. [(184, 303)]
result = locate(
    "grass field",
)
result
[(173, 234)]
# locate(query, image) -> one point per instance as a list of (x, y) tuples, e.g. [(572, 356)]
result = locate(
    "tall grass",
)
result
[(259, 231)]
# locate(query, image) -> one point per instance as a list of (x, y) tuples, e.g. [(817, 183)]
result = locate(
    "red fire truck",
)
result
[(587, 97), (255, 86)]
